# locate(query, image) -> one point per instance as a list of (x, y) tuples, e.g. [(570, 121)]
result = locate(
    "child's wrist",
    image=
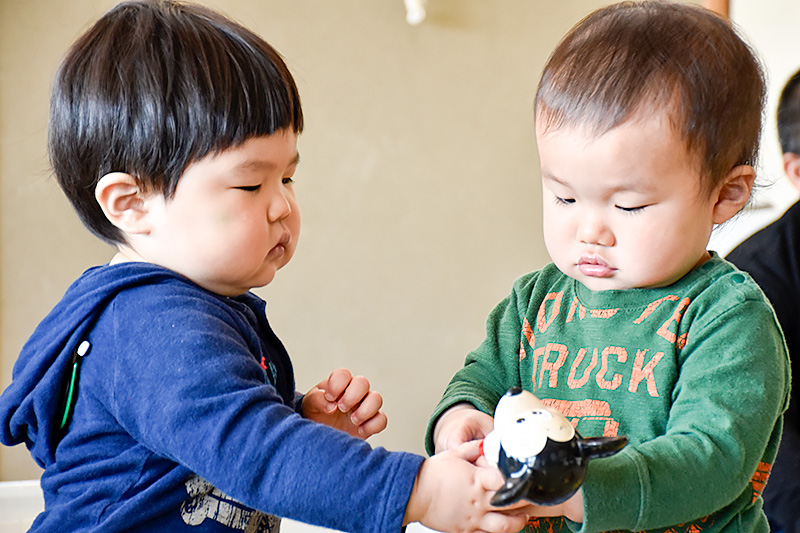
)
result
[(417, 505), (573, 507)]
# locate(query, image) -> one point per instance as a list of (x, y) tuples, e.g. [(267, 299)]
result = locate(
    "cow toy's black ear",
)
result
[(599, 447), (513, 491)]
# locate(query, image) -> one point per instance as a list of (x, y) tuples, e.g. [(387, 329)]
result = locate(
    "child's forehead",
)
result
[(279, 148), (658, 122), (633, 156)]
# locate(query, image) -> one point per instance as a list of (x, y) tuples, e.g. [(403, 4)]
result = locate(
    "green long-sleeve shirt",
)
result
[(695, 374)]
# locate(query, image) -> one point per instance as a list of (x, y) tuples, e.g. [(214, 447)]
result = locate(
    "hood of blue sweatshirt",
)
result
[(28, 407)]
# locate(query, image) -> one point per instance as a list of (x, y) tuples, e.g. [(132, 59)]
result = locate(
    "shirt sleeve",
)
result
[(724, 423), (188, 387)]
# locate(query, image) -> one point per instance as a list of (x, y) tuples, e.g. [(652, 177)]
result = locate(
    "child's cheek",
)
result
[(224, 218)]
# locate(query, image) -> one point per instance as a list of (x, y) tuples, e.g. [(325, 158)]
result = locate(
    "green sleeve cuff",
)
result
[(613, 493)]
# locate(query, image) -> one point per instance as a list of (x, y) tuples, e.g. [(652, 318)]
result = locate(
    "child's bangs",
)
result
[(242, 89), (598, 83)]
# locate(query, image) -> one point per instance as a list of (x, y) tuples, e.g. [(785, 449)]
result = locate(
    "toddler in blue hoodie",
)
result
[(155, 395)]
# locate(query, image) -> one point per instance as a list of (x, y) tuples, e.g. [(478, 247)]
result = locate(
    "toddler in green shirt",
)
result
[(648, 117)]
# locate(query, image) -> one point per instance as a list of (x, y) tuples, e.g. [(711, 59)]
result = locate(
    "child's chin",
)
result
[(602, 284)]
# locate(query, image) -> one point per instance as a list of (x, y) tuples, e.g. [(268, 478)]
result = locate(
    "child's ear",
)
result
[(122, 200), (791, 166), (733, 193)]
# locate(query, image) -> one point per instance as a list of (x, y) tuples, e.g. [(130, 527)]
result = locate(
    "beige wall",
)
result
[(418, 183)]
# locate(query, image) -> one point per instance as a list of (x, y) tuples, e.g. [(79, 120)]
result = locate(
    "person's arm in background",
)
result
[(722, 7)]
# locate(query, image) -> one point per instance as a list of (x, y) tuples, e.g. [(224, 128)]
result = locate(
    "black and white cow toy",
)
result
[(541, 456)]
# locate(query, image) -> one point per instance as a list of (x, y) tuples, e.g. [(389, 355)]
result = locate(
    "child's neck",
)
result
[(124, 255), (705, 257)]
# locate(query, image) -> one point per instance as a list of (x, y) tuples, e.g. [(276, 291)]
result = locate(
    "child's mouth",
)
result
[(595, 267), (279, 249)]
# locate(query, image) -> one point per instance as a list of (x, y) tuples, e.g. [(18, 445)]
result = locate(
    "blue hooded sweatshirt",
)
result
[(186, 418)]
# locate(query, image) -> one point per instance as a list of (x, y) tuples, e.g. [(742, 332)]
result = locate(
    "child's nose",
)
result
[(592, 229), (279, 206)]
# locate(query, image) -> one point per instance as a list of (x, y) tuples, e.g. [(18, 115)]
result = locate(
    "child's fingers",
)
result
[(459, 424), (469, 451), (369, 406), (490, 478), (482, 462), (336, 384), (315, 402), (496, 522), (354, 394), (374, 425)]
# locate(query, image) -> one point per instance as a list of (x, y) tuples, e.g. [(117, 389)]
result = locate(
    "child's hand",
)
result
[(572, 508), (459, 424), (346, 403), (452, 493)]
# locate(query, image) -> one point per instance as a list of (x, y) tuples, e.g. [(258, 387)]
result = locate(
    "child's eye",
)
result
[(249, 188), (287, 181), (636, 209), (564, 201)]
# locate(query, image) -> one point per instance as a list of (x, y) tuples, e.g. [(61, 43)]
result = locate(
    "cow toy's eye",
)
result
[(520, 420)]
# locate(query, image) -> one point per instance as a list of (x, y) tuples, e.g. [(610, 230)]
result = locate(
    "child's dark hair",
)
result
[(789, 116), (631, 59), (154, 86)]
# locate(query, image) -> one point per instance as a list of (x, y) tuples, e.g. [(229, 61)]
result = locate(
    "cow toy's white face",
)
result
[(522, 425), (541, 456)]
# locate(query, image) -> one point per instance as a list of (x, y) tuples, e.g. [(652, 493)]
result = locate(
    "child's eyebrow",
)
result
[(260, 164), (629, 185), (547, 176)]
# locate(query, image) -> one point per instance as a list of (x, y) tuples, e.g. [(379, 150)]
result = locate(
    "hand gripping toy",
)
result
[(541, 456)]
